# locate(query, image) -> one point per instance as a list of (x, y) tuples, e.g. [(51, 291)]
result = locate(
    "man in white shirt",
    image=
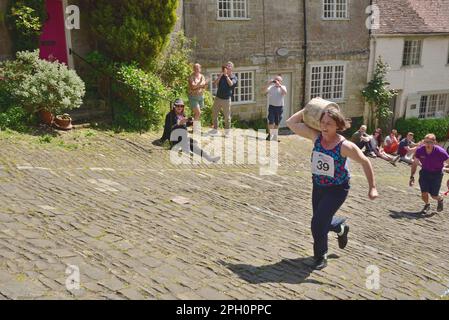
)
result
[(275, 92)]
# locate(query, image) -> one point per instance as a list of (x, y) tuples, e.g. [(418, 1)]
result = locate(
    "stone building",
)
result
[(320, 47), (324, 41), (413, 38)]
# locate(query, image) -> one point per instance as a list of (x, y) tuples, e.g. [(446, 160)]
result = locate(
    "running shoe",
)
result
[(343, 239), (426, 208), (440, 206)]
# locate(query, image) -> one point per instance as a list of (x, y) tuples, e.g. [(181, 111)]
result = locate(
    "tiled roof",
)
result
[(413, 16)]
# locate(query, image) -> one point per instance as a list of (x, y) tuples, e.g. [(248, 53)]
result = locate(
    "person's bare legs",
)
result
[(275, 131), (425, 197), (196, 113)]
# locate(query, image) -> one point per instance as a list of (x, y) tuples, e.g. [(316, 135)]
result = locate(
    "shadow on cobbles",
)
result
[(292, 271), (410, 215)]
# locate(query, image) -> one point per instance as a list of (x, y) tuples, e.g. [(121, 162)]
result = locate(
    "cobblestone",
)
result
[(241, 236)]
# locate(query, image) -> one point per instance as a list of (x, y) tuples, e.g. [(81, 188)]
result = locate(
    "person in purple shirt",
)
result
[(432, 159)]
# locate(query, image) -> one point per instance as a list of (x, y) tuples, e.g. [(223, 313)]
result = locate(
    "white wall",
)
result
[(431, 77)]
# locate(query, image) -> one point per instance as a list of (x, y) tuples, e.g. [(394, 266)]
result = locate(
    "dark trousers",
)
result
[(182, 142), (367, 145), (326, 201)]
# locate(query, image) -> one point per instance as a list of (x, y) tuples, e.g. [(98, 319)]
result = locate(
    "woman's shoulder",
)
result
[(347, 144)]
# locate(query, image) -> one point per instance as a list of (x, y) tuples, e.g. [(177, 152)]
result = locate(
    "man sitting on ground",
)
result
[(407, 148), (362, 140), (391, 143)]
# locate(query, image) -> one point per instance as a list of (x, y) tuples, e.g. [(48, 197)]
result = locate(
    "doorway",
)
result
[(53, 41)]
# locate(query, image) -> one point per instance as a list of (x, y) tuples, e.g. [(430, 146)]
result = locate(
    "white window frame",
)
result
[(320, 92), (232, 17), (214, 73), (439, 99), (421, 42), (333, 11)]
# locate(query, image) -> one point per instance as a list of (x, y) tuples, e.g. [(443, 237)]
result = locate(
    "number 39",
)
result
[(323, 166)]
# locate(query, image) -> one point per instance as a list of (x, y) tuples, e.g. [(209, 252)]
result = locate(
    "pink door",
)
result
[(53, 45)]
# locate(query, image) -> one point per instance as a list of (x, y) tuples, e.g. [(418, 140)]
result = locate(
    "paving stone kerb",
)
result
[(107, 208)]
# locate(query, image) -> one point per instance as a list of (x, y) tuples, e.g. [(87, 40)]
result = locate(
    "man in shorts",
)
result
[(275, 92), (433, 159)]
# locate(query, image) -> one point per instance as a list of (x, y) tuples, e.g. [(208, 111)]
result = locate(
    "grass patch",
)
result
[(46, 138)]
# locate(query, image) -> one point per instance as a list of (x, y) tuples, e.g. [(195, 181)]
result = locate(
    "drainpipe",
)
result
[(264, 39), (305, 47), (367, 117)]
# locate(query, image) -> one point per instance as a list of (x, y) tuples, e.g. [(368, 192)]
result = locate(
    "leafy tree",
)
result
[(133, 30), (176, 66), (25, 19), (379, 96)]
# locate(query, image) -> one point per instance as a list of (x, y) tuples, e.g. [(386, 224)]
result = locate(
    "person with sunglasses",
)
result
[(433, 159), (175, 120)]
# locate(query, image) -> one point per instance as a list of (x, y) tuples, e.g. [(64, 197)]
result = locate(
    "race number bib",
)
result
[(323, 164)]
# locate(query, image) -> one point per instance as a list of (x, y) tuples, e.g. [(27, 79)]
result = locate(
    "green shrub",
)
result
[(421, 127), (132, 30), (176, 67), (14, 118), (94, 74), (37, 84), (26, 18), (143, 100)]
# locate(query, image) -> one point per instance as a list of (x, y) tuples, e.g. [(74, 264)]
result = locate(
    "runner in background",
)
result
[(432, 159)]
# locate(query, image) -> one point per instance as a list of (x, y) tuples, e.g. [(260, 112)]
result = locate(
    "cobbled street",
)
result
[(136, 226)]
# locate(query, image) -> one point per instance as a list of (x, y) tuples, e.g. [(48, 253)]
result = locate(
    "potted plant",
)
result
[(63, 122), (46, 117), (48, 88)]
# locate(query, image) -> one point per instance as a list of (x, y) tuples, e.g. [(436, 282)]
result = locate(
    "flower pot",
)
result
[(46, 117), (64, 123)]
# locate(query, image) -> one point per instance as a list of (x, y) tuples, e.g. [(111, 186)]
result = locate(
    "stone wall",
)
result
[(253, 43), (5, 40)]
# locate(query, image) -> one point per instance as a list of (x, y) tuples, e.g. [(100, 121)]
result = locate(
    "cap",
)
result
[(178, 102)]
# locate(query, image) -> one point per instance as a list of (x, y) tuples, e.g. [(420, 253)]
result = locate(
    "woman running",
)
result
[(330, 177)]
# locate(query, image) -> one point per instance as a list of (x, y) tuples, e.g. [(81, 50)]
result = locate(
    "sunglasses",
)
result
[(179, 106), (429, 142)]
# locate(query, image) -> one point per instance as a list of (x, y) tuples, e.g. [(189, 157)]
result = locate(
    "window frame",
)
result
[(237, 72), (334, 11), (421, 47), (232, 18), (428, 115), (322, 65)]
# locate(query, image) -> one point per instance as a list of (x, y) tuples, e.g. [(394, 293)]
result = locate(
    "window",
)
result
[(327, 82), (244, 92), (435, 105), (335, 9), (232, 9), (412, 53)]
